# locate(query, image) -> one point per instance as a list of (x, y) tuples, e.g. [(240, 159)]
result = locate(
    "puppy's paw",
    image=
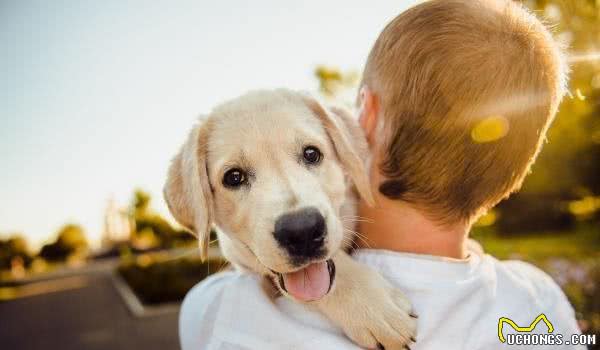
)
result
[(380, 318), (372, 313)]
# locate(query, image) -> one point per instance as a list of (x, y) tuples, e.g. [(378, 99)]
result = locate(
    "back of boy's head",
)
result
[(467, 90)]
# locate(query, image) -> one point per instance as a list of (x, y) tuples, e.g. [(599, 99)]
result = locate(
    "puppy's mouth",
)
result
[(310, 283)]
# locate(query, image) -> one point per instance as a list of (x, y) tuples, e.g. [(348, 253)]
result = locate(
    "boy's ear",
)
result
[(368, 109), (349, 142), (187, 190)]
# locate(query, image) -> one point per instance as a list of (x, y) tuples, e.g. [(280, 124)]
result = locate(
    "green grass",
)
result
[(580, 244)]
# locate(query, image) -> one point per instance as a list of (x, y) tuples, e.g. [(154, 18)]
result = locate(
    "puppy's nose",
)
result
[(301, 233)]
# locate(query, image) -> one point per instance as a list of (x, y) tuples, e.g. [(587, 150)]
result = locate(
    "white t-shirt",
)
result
[(459, 304)]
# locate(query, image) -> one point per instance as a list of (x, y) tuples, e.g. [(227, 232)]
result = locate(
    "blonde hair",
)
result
[(467, 90)]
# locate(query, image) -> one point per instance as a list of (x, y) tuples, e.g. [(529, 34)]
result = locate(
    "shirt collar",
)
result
[(398, 265)]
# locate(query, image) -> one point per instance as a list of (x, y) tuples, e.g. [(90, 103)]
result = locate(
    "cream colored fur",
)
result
[(265, 131)]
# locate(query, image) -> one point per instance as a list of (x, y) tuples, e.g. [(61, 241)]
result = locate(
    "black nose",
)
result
[(301, 233)]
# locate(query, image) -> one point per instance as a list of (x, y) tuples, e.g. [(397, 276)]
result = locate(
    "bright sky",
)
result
[(96, 96)]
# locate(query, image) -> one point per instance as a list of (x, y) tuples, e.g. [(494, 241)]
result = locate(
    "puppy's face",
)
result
[(277, 182), (272, 169)]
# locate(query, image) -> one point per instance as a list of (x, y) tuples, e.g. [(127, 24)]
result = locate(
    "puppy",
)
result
[(275, 173)]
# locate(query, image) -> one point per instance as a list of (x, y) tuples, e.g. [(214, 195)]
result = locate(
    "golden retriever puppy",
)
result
[(275, 173)]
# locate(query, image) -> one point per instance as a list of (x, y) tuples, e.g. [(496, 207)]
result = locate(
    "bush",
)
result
[(534, 213), (155, 281), (70, 241), (14, 248)]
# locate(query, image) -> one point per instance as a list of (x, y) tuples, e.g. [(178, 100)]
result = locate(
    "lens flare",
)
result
[(584, 57), (490, 129)]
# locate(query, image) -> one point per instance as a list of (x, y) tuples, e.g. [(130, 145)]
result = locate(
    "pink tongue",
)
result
[(310, 283)]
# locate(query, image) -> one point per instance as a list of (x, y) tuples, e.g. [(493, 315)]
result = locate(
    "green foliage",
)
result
[(578, 244), (13, 249), (568, 167), (141, 201), (533, 213), (570, 159), (333, 82), (70, 241)]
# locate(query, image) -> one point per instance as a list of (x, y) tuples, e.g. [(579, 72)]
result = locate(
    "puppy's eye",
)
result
[(312, 155), (234, 178)]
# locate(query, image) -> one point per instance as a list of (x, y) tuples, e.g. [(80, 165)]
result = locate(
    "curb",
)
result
[(134, 304)]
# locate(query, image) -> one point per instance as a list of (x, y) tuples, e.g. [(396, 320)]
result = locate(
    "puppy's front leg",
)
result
[(370, 311)]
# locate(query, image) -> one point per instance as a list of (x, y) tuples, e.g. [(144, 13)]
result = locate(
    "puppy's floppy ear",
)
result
[(187, 190), (349, 142)]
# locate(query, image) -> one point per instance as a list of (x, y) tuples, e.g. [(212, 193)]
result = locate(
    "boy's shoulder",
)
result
[(521, 279), (524, 292)]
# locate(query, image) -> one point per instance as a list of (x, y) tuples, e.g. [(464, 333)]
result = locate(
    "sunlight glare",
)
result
[(584, 57)]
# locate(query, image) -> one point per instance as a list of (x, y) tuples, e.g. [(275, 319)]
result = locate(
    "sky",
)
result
[(97, 96)]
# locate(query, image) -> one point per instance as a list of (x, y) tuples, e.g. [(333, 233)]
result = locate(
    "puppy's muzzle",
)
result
[(302, 234)]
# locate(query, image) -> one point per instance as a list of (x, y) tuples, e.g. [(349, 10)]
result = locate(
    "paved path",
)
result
[(82, 312)]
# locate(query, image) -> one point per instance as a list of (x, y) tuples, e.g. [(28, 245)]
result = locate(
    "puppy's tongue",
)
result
[(310, 283)]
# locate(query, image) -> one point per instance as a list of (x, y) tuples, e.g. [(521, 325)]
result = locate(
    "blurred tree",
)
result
[(336, 84), (13, 248), (70, 241), (568, 165), (141, 201), (151, 229)]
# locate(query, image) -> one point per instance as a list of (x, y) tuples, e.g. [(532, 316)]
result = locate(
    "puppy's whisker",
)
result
[(350, 242), (355, 220), (360, 236), (347, 240), (364, 241), (356, 233), (356, 217)]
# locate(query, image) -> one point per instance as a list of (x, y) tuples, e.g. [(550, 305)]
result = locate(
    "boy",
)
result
[(455, 102)]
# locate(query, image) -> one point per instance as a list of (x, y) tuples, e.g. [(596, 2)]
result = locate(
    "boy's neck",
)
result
[(397, 226)]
